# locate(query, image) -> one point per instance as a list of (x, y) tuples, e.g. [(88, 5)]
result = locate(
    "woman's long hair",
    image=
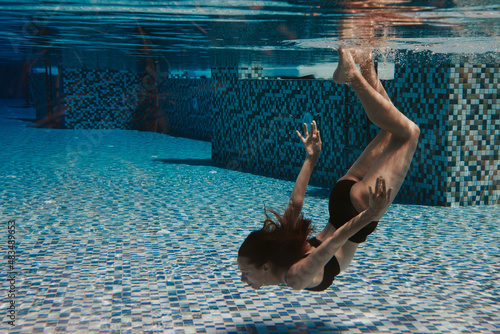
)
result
[(280, 241)]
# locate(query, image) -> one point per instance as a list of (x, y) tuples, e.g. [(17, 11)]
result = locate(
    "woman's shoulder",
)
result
[(299, 278)]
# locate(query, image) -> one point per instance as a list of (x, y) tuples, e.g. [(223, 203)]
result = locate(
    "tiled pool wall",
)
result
[(120, 99), (454, 100), (251, 120)]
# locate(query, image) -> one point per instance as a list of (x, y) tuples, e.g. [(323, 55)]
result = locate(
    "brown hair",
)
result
[(280, 241)]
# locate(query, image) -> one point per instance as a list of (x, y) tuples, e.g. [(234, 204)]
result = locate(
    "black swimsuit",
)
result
[(341, 211), (331, 269)]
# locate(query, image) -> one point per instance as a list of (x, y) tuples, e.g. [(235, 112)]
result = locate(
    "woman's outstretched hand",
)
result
[(380, 199), (312, 141)]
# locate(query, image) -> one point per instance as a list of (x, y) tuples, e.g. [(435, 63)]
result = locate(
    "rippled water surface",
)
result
[(192, 33)]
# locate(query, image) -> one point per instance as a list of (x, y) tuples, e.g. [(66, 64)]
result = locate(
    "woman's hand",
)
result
[(312, 141), (380, 199)]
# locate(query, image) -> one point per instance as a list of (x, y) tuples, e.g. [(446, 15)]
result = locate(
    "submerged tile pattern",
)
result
[(453, 101), (473, 134), (420, 92), (108, 99), (455, 105), (256, 122), (135, 232), (100, 99), (187, 106)]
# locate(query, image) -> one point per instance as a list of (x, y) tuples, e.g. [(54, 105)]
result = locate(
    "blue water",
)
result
[(131, 232), (137, 232), (192, 34)]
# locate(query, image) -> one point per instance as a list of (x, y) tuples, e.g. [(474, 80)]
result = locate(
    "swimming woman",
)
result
[(280, 252)]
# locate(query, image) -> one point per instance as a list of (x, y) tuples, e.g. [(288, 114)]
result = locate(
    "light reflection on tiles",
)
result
[(114, 240)]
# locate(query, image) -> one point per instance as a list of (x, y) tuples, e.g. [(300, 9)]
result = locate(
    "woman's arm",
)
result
[(300, 187), (312, 144), (301, 274)]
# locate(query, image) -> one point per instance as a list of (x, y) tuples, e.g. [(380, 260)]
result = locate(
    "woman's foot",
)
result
[(362, 57), (346, 70)]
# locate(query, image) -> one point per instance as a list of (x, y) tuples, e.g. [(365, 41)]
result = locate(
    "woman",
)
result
[(280, 253)]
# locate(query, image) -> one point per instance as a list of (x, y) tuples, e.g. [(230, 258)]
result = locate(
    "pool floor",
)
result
[(136, 232)]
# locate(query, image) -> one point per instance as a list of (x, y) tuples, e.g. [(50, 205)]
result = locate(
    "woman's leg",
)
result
[(394, 160), (363, 57), (372, 162), (359, 169)]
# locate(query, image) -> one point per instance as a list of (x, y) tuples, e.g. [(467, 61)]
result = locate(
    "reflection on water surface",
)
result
[(197, 32)]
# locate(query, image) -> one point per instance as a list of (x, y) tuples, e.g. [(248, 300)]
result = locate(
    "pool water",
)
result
[(192, 34), (136, 232), (121, 231)]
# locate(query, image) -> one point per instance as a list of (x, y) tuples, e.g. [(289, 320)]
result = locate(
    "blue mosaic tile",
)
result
[(143, 237), (251, 120), (453, 103), (105, 99)]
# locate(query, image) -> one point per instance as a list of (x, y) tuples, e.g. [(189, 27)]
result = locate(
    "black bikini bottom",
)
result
[(341, 210)]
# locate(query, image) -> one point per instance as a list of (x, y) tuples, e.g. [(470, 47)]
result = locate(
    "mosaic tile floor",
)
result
[(135, 232)]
